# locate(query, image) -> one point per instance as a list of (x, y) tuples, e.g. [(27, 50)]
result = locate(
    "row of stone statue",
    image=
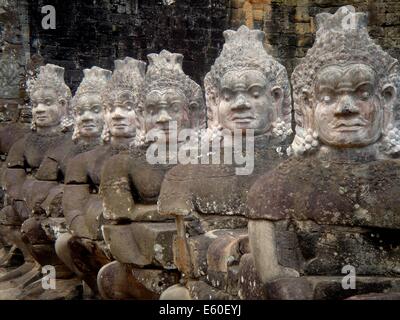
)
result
[(88, 203)]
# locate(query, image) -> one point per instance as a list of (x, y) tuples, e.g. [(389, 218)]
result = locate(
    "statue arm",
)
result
[(263, 245), (116, 189), (15, 174), (74, 202), (76, 190)]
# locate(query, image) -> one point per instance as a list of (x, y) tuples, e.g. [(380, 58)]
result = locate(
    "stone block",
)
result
[(141, 243)]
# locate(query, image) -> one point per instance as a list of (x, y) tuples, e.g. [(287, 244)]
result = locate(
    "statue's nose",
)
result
[(164, 116), (241, 103), (117, 114), (346, 106)]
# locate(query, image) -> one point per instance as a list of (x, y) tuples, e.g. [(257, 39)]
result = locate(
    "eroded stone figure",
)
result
[(14, 124), (247, 91), (44, 229), (334, 206), (138, 237), (82, 249), (25, 193)]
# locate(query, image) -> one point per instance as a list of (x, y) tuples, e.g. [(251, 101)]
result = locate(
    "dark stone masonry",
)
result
[(96, 32)]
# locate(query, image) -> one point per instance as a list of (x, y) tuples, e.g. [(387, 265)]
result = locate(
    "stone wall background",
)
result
[(290, 24), (96, 32)]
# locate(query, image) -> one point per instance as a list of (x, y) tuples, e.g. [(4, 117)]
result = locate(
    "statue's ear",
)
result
[(389, 94)]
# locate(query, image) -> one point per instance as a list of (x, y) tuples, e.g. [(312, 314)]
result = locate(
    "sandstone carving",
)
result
[(245, 89), (25, 191), (334, 205), (139, 238), (82, 249)]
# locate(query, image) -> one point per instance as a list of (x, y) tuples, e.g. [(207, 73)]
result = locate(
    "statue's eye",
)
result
[(327, 98), (48, 102), (96, 109), (256, 91), (364, 95), (227, 95), (150, 110)]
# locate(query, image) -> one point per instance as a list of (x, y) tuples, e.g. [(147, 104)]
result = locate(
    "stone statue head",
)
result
[(344, 90), (123, 99), (50, 98), (25, 113), (247, 88), (170, 95), (87, 104)]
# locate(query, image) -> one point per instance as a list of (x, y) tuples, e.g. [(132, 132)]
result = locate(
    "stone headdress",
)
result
[(52, 76), (342, 38), (244, 50), (128, 76), (165, 71), (94, 81)]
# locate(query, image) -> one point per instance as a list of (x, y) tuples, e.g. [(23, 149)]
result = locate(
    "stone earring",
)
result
[(390, 144), (281, 129), (304, 143)]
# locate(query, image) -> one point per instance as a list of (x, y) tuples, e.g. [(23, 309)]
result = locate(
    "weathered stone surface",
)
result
[(335, 203), (250, 286), (200, 290), (212, 197), (169, 97), (142, 244)]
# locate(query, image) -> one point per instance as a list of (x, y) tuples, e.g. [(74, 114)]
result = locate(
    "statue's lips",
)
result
[(41, 117), (88, 126), (243, 118), (349, 125), (120, 126)]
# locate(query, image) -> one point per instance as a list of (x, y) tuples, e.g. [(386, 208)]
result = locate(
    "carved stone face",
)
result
[(121, 116), (348, 111), (89, 115), (163, 107), (246, 102), (47, 107)]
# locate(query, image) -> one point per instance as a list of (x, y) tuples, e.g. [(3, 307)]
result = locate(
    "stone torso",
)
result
[(346, 210), (10, 133), (31, 150), (216, 189)]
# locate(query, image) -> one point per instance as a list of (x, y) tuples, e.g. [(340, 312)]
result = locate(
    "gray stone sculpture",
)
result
[(246, 89), (43, 230), (25, 192), (82, 249), (334, 206), (139, 238)]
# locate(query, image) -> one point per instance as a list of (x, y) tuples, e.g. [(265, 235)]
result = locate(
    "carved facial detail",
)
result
[(348, 111), (89, 115), (246, 102), (163, 107), (47, 107), (121, 116)]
